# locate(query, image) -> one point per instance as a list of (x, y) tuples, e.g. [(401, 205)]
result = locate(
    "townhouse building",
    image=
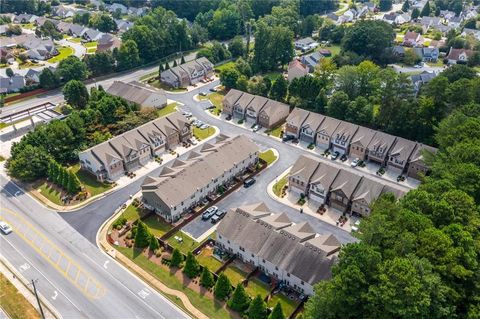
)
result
[(255, 109), (139, 93), (292, 254), (360, 141), (379, 147), (128, 151), (188, 73), (325, 132), (185, 183), (343, 136), (400, 154), (310, 127), (295, 121), (417, 168)]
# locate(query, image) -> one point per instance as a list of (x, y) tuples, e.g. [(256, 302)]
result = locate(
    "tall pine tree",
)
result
[(191, 266), (277, 312), (206, 279), (223, 287), (142, 235), (240, 299), (257, 309), (177, 258)]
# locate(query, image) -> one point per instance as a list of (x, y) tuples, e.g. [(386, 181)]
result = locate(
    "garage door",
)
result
[(338, 149)]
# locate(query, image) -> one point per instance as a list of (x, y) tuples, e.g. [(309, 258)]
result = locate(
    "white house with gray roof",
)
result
[(138, 93), (291, 253)]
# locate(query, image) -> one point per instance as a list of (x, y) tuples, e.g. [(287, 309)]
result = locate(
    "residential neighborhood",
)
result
[(239, 159)]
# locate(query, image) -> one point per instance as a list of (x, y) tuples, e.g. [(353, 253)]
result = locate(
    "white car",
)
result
[(255, 128), (355, 162), (5, 228), (193, 141), (204, 126)]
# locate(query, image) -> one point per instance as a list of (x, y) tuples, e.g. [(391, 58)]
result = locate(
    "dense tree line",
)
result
[(63, 178), (419, 257), (36, 7), (61, 140)]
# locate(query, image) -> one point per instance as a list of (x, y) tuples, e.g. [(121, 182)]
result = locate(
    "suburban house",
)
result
[(342, 190), (321, 183), (188, 73), (24, 18), (108, 42), (63, 12), (311, 60), (255, 109), (273, 114), (325, 132), (76, 30), (230, 99), (342, 137), (117, 7), (427, 54), (38, 49), (186, 183), (300, 174), (138, 93), (412, 39), (459, 55), (92, 35), (379, 147), (365, 194), (13, 84), (417, 166), (126, 152), (292, 254), (123, 25), (305, 44), (396, 18), (295, 121), (308, 131), (418, 80), (399, 155), (296, 69), (360, 141), (32, 76), (472, 32)]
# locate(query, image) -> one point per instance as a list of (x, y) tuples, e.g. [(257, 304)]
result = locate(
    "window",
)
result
[(288, 274), (276, 268), (302, 282), (263, 260), (228, 241)]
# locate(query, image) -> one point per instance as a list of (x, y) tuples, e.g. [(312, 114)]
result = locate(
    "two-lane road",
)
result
[(77, 278)]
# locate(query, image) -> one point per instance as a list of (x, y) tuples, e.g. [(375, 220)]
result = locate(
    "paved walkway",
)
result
[(152, 281)]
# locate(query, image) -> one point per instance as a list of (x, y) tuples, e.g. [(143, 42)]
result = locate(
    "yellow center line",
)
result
[(20, 223)]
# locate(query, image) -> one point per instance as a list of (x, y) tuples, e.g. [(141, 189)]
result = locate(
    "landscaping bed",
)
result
[(203, 134), (279, 187)]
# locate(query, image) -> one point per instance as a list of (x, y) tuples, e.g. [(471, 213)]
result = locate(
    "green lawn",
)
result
[(92, 44), (272, 76), (203, 134), (62, 54), (224, 66), (157, 226), (276, 131), (216, 99), (268, 156), (288, 306), (256, 287), (335, 49), (2, 158), (188, 244), (278, 186), (235, 275), (131, 213), (76, 40), (14, 303), (160, 85), (207, 306), (205, 259), (170, 108), (91, 50), (50, 193), (93, 186), (30, 26)]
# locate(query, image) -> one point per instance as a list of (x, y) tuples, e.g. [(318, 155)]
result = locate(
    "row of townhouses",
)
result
[(188, 73), (255, 109), (395, 153), (188, 182), (338, 188), (292, 254), (139, 93), (130, 150)]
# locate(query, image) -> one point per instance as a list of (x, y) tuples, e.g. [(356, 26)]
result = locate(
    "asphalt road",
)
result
[(77, 278)]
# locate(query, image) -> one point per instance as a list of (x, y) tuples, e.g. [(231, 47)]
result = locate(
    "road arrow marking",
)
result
[(105, 264), (54, 297)]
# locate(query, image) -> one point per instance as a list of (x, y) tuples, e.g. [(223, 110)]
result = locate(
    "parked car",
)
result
[(228, 118), (355, 162), (204, 126), (187, 114), (199, 123), (287, 138), (203, 93), (5, 228), (193, 141), (335, 156), (209, 213), (249, 182), (213, 90), (218, 215), (344, 157), (255, 128)]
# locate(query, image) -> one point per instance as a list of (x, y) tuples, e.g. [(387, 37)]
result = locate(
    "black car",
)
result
[(335, 156), (344, 157), (249, 182), (213, 90), (287, 138), (228, 118), (219, 215)]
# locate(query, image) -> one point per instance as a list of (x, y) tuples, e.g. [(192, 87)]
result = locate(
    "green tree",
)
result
[(102, 22), (257, 309), (142, 235), (100, 63), (237, 47), (206, 279), (154, 244), (369, 38), (426, 10), (76, 94), (64, 178), (240, 299), (128, 55), (74, 185), (223, 287), (385, 5), (406, 6), (9, 72), (177, 258), (229, 77), (243, 67), (277, 312), (279, 89), (415, 13), (72, 68), (225, 23), (338, 105), (191, 268), (48, 79)]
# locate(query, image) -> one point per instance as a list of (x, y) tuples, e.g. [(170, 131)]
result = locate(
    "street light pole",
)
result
[(38, 299)]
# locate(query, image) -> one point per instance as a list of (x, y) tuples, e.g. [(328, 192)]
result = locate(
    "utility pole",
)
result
[(38, 299)]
